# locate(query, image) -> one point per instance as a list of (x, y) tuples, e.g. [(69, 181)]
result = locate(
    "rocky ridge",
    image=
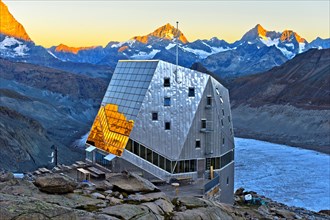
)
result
[(22, 199), (10, 26)]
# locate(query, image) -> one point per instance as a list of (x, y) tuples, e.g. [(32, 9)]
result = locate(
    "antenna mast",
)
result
[(177, 46)]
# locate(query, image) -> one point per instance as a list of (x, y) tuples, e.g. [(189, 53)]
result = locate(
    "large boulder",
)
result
[(132, 183), (149, 197), (210, 213), (126, 211), (6, 176), (56, 184)]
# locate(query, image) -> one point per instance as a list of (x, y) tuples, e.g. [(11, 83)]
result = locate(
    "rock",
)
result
[(149, 197), (103, 186), (6, 176), (239, 191), (13, 207), (149, 216), (126, 211), (326, 212), (78, 191), (132, 183), (108, 192), (97, 195), (55, 184), (165, 205), (190, 202), (154, 208), (114, 201), (285, 214), (209, 213)]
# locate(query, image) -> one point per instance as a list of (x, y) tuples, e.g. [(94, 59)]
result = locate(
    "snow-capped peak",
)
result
[(289, 35), (167, 32)]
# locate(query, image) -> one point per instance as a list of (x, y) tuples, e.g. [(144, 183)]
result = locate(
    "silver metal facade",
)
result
[(181, 112), (137, 87)]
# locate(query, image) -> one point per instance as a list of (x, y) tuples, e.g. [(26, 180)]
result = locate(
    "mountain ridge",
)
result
[(258, 50), (10, 26)]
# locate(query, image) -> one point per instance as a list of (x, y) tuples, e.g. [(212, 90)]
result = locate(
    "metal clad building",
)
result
[(181, 123)]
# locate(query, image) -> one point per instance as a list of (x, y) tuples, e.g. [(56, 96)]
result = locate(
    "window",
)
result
[(167, 101), (229, 118), (198, 143), (154, 116), (222, 122), (167, 82), (191, 92), (203, 124), (227, 180), (209, 100), (223, 112), (167, 125), (223, 141)]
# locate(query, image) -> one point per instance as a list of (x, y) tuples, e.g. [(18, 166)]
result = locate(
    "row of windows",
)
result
[(181, 166), (191, 90), (220, 162)]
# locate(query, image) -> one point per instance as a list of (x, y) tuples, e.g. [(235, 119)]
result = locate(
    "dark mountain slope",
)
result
[(302, 82), (289, 104), (40, 107)]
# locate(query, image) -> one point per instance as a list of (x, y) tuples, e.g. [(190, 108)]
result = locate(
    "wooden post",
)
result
[(211, 172)]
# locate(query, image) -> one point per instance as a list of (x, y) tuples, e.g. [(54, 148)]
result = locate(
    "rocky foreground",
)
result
[(126, 196)]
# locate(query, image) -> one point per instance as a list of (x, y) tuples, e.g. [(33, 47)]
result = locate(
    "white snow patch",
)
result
[(8, 42), (271, 42), (145, 56), (202, 54), (301, 47), (293, 176), (285, 52), (290, 45), (149, 46), (129, 42), (52, 54), (169, 46), (249, 42)]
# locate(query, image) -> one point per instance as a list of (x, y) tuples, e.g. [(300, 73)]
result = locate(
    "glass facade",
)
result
[(129, 85), (174, 167), (220, 162), (110, 131)]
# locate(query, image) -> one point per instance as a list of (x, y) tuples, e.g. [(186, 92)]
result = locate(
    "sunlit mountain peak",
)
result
[(167, 32), (10, 26), (75, 50)]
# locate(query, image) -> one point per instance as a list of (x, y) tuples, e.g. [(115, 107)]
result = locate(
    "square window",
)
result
[(203, 123), (191, 92), (167, 125), (167, 82), (155, 116), (198, 143), (167, 101), (209, 100)]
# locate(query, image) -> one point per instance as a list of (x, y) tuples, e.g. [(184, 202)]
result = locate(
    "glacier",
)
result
[(290, 175)]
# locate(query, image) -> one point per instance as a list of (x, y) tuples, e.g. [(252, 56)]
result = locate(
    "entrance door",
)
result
[(200, 168)]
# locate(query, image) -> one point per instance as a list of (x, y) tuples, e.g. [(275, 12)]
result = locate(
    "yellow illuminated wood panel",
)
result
[(110, 131)]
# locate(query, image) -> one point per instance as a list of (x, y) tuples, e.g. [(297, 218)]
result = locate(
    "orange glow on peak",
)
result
[(287, 34), (75, 50)]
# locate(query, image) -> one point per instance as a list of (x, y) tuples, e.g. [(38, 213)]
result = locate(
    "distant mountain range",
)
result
[(257, 51), (288, 104)]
